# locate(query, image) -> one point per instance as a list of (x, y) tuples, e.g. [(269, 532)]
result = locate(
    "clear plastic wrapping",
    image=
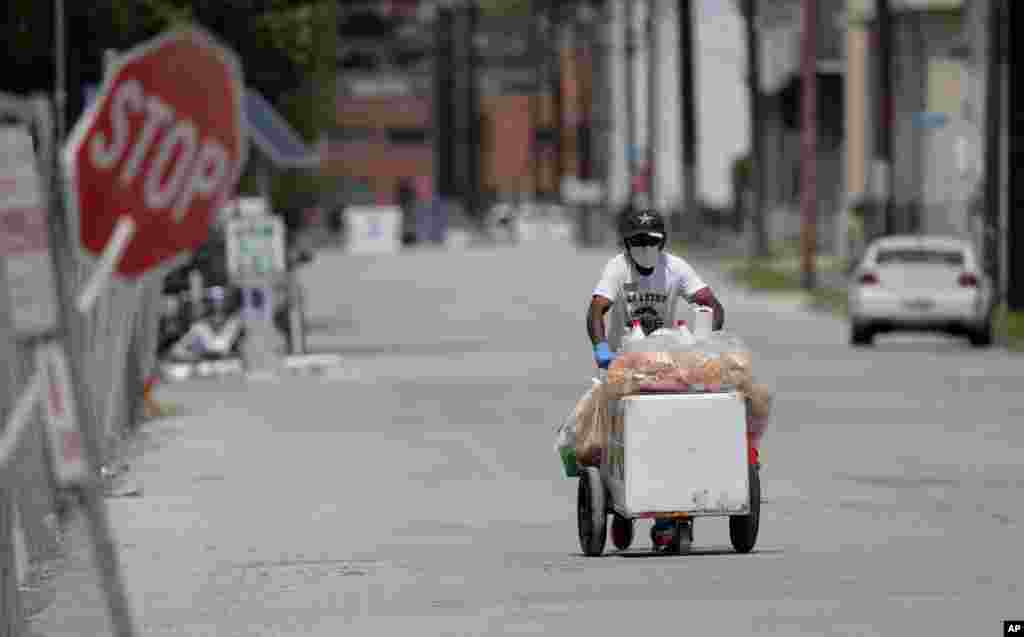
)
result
[(663, 363)]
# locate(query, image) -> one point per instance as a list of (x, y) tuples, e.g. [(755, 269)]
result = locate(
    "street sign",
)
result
[(373, 229), (24, 239), (159, 151), (255, 248)]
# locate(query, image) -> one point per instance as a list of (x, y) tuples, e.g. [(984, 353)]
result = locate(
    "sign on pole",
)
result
[(255, 248), (148, 165), (24, 240), (374, 229), (157, 154)]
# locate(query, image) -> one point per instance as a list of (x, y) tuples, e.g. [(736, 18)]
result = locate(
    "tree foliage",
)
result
[(508, 7), (286, 47)]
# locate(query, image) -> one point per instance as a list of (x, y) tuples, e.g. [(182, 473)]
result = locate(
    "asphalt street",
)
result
[(414, 489)]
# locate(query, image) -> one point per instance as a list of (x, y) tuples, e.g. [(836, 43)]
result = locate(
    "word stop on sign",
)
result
[(201, 167)]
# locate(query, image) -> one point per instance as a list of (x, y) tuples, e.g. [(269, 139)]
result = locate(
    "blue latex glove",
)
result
[(603, 355)]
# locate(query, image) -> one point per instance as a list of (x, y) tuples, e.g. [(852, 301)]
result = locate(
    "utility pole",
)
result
[(882, 177), (471, 98), (688, 98), (603, 142), (630, 102), (444, 104), (556, 43), (653, 68), (1015, 111), (583, 65), (756, 134), (809, 139), (466, 126), (994, 148), (536, 23)]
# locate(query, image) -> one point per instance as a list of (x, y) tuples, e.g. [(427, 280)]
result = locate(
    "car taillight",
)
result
[(869, 278), (968, 280)]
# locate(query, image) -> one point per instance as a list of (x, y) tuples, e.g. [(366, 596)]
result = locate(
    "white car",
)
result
[(920, 283)]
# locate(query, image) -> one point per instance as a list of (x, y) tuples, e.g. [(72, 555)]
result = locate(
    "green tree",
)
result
[(286, 47), (508, 7)]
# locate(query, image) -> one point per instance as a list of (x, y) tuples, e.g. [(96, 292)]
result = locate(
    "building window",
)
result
[(408, 136), (350, 135), (546, 136)]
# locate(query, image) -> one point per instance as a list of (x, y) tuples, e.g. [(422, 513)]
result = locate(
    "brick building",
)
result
[(385, 123)]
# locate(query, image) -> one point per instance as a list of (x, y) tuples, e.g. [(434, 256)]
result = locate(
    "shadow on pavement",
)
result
[(711, 551)]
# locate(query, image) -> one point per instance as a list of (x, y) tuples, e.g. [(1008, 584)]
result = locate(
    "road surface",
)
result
[(414, 489)]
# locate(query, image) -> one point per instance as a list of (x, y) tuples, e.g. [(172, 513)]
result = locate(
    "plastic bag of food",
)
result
[(759, 404), (568, 432), (593, 431), (737, 361)]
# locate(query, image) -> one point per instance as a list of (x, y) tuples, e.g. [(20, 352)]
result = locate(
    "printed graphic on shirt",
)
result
[(648, 307), (645, 298)]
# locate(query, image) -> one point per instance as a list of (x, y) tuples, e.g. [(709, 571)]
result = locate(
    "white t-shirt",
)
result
[(649, 299)]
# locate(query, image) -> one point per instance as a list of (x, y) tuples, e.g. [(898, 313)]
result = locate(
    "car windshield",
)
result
[(920, 256)]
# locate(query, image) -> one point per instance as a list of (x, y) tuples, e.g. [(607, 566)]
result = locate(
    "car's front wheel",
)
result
[(861, 334), (981, 336)]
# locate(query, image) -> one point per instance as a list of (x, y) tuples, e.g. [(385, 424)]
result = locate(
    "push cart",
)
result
[(672, 456)]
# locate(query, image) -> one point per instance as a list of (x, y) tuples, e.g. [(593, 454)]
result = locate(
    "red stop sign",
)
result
[(163, 144)]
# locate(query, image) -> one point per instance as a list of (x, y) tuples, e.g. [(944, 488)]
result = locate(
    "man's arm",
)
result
[(595, 318), (707, 298)]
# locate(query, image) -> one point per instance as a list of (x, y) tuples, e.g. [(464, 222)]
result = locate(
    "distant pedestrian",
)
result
[(407, 203)]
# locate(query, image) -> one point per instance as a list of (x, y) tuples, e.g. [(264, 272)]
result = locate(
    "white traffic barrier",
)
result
[(18, 420)]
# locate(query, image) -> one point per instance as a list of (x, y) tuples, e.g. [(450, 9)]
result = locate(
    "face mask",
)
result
[(646, 257)]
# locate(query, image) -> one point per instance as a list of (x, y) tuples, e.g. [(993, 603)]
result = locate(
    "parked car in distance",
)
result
[(920, 283)]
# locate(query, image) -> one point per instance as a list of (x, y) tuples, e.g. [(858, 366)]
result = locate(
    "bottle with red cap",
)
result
[(634, 335), (684, 334)]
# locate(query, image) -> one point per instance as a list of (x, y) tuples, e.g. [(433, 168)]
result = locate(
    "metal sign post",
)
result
[(68, 340), (256, 262)]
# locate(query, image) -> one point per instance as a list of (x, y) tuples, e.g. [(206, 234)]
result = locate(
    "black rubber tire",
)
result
[(623, 532), (743, 528), (591, 512), (861, 335), (676, 548), (981, 337)]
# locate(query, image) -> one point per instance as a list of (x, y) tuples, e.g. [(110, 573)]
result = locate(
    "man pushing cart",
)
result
[(669, 456)]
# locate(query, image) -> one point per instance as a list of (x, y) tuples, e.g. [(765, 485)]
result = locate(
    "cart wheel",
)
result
[(622, 532), (591, 514), (743, 528)]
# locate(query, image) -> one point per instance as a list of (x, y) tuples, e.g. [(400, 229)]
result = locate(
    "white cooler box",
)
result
[(678, 453)]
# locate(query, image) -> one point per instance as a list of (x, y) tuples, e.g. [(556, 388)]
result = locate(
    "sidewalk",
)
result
[(66, 596), (783, 274)]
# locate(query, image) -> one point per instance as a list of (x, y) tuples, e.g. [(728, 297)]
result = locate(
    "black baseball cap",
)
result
[(644, 221)]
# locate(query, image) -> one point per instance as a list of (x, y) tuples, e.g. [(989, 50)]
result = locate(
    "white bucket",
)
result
[(702, 321)]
